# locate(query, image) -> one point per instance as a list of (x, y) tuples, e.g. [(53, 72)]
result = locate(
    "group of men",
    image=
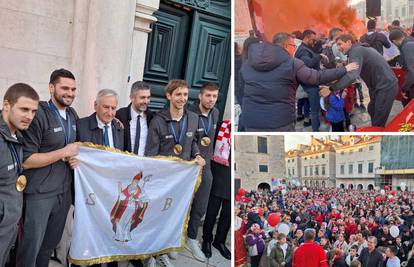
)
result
[(37, 140), (270, 73)]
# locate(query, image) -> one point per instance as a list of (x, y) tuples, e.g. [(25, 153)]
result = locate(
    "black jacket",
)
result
[(373, 259), (377, 41), (237, 89), (270, 78), (160, 139), (45, 134), (407, 60), (205, 151), (124, 115), (8, 166), (88, 131), (373, 69), (310, 58)]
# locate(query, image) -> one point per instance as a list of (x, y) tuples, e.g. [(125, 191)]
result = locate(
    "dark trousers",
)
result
[(200, 201), (314, 101), (303, 107), (223, 226), (287, 128), (255, 260), (44, 222), (380, 105), (337, 126)]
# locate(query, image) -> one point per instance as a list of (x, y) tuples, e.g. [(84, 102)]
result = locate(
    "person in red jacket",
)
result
[(351, 227), (309, 254)]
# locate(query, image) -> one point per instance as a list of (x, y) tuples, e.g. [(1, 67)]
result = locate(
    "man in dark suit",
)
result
[(219, 200), (135, 134), (100, 128)]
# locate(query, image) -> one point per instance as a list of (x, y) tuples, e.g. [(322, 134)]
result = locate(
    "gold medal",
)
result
[(21, 183), (205, 141), (178, 149)]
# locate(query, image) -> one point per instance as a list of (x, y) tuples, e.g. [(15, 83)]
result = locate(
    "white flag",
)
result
[(129, 207)]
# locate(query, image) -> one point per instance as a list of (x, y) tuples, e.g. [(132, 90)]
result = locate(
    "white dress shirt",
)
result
[(143, 132), (101, 125)]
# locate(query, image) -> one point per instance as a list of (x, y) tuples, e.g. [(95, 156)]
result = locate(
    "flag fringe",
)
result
[(107, 259)]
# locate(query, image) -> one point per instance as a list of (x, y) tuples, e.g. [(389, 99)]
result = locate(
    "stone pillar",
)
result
[(107, 50), (80, 28), (142, 21)]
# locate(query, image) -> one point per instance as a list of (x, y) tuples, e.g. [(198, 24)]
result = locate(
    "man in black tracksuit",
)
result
[(208, 117), (173, 132), (406, 47), (376, 73), (48, 151), (19, 107)]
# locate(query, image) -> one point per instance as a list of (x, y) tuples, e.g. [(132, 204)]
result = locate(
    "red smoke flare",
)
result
[(292, 15)]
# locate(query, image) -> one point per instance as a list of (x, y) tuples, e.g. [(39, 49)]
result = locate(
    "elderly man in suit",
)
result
[(100, 128)]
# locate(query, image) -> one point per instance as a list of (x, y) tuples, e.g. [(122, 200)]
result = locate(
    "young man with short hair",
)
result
[(48, 152), (207, 124), (20, 104), (173, 132)]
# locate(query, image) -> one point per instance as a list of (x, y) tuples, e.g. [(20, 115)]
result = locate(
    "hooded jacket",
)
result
[(269, 79), (376, 40)]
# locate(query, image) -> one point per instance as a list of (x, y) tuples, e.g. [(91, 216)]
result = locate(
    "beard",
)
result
[(60, 100)]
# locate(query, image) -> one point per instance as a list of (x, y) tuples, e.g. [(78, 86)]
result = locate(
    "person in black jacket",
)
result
[(406, 47), (135, 135), (219, 197), (207, 123), (237, 65), (384, 237), (270, 77), (19, 107), (376, 73), (370, 256), (48, 150), (306, 53), (375, 39)]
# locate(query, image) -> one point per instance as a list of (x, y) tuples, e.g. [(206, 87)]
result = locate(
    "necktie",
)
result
[(137, 135), (106, 136)]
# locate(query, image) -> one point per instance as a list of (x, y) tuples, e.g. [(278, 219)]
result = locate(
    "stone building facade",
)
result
[(111, 44), (258, 159)]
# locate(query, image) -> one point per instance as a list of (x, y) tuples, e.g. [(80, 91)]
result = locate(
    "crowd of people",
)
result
[(39, 152), (324, 227), (307, 76)]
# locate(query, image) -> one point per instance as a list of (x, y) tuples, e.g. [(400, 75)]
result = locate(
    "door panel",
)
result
[(209, 57), (191, 45), (165, 53)]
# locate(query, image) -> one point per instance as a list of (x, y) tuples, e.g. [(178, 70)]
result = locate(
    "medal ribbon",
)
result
[(16, 158), (207, 130), (178, 140), (69, 123)]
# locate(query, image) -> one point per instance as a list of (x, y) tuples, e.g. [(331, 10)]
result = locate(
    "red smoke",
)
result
[(319, 15)]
